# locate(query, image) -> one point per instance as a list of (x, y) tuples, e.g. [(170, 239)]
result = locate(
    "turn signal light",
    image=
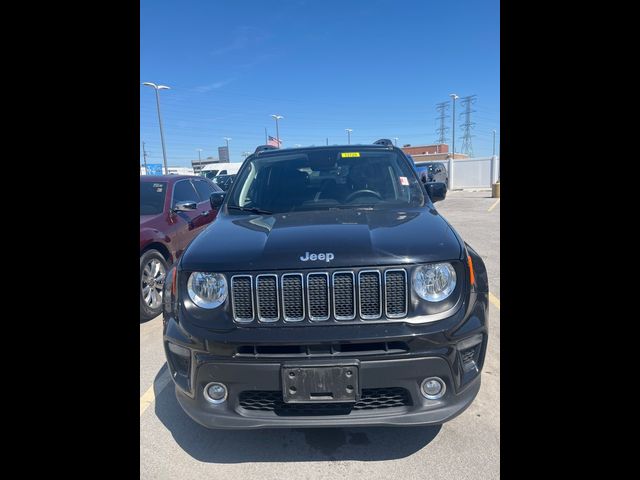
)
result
[(472, 276), (174, 276)]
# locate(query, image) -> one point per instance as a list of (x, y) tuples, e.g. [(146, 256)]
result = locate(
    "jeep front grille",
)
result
[(319, 296)]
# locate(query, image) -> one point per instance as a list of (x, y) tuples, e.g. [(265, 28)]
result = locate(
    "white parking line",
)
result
[(494, 205), (149, 396)]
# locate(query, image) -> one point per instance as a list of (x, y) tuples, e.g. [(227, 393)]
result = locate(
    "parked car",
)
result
[(433, 172), (173, 210), (329, 292), (224, 181)]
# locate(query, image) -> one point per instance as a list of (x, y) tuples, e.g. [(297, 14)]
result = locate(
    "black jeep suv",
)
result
[(327, 292)]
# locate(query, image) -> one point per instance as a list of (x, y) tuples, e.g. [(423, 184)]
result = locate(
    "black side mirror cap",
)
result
[(436, 190), (216, 199)]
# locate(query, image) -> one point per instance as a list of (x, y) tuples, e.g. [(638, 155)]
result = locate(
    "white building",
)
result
[(173, 170)]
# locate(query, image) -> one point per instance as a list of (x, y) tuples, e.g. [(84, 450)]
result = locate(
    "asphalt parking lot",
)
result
[(468, 447)]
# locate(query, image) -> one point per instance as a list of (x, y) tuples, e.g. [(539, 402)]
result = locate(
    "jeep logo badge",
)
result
[(327, 257)]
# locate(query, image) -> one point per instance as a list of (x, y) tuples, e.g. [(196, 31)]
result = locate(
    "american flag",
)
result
[(274, 141)]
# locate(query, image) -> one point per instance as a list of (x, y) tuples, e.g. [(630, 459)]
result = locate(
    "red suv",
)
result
[(173, 210)]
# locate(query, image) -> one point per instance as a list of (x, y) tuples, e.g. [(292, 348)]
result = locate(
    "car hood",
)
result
[(353, 238)]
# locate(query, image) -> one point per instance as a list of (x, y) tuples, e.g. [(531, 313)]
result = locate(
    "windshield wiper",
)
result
[(351, 207), (250, 209)]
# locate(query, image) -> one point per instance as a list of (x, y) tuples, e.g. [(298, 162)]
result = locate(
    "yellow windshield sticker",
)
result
[(349, 154)]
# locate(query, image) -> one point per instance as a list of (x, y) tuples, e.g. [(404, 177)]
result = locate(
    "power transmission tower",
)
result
[(467, 102), (442, 109)]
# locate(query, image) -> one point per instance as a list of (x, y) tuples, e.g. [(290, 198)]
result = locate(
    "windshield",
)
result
[(426, 167), (327, 178), (152, 197)]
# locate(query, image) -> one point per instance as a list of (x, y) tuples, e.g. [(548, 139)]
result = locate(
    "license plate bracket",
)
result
[(320, 384)]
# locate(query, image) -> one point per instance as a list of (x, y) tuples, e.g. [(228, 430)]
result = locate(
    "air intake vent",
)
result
[(267, 298), (242, 298), (344, 295), (372, 399), (370, 294), (395, 286), (318, 294), (292, 297)]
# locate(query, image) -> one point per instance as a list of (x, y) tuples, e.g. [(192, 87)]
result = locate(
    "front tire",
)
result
[(153, 272)]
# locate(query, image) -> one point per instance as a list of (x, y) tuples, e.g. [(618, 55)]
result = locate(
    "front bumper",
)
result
[(389, 357), (381, 374)]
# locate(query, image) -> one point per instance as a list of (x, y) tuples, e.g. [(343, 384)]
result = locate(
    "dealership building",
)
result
[(436, 151)]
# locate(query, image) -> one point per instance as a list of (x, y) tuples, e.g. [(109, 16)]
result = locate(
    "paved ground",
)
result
[(468, 447)]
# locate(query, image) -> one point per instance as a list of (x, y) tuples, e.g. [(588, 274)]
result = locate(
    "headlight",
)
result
[(207, 290), (434, 282)]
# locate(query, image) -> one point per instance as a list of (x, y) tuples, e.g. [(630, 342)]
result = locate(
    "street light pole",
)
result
[(494, 143), (227, 139), (164, 150), (348, 130), (453, 140), (277, 117), (144, 154), (199, 162), (395, 141)]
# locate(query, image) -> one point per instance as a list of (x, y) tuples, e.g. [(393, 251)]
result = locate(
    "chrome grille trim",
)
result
[(406, 294), (284, 309), (333, 285), (233, 302), (268, 319), (369, 317), (311, 317), (245, 298)]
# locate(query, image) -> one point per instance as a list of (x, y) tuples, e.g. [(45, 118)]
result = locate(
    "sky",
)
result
[(378, 67)]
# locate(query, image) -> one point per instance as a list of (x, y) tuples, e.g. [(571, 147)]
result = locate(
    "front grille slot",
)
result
[(371, 399), (242, 298), (370, 294), (395, 288), (344, 296), (319, 296), (292, 297), (267, 298)]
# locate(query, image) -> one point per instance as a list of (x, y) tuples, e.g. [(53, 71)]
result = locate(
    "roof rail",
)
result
[(262, 148), (384, 141)]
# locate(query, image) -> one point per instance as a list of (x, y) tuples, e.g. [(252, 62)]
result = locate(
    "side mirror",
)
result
[(216, 199), (436, 190), (185, 206)]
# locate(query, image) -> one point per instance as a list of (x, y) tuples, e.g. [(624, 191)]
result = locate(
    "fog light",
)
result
[(433, 388), (215, 393)]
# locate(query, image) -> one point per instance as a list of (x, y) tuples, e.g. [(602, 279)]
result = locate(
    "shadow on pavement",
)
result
[(284, 445), (142, 320)]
